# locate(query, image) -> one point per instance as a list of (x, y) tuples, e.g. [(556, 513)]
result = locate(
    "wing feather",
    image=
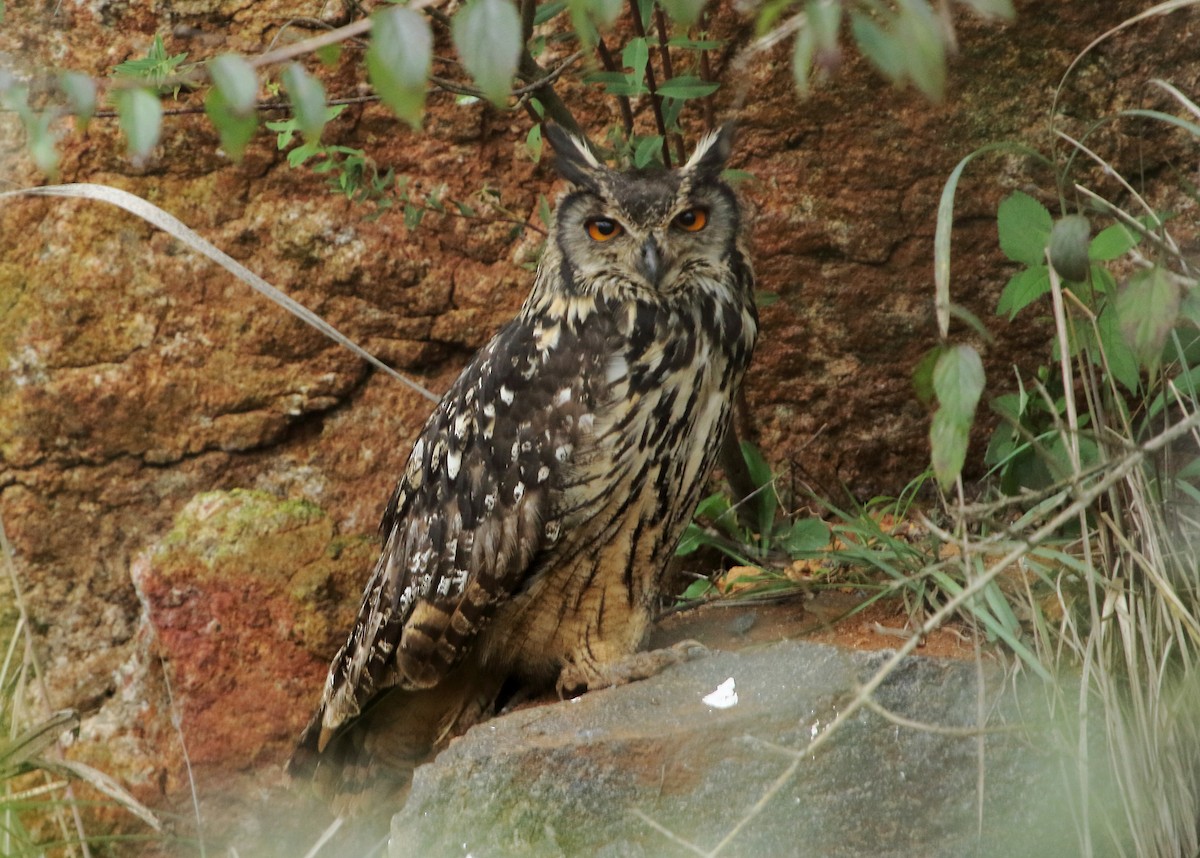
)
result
[(478, 504)]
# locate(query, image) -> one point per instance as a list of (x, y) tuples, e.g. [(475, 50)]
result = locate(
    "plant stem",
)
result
[(660, 24), (639, 28), (622, 100)]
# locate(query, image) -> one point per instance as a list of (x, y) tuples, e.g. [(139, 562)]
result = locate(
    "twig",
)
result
[(710, 119), (660, 24), (177, 723), (668, 833), (622, 100), (639, 28)]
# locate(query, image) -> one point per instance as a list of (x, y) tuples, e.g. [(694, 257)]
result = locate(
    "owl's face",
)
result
[(654, 230)]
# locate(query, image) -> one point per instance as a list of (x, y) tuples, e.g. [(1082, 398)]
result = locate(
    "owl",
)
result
[(526, 542)]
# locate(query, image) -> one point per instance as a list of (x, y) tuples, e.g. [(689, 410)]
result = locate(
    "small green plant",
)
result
[(754, 535), (163, 72), (1087, 559)]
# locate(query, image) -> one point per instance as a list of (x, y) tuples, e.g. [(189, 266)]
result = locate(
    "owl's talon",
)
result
[(689, 650), (580, 677)]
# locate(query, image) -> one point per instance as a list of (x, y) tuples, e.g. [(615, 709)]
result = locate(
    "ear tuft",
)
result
[(573, 158), (713, 152)]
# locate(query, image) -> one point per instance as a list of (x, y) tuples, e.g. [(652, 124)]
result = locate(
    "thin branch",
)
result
[(710, 119), (668, 833), (622, 100), (660, 24), (639, 28), (307, 46), (940, 729), (555, 108)]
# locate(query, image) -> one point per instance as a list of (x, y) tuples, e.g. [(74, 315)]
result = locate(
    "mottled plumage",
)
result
[(542, 502)]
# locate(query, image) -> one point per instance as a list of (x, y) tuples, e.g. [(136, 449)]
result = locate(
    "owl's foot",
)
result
[(579, 677)]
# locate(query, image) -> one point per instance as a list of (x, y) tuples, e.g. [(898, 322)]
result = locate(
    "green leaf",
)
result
[(922, 376), (764, 499), (546, 11), (234, 127), (617, 83), (1113, 243), (993, 8), (1190, 308), (806, 536), (645, 8), (308, 100), (1024, 225), (42, 141), (712, 507), (399, 59), (1147, 309), (1022, 289), (768, 14), (139, 113), (923, 51), (696, 44), (635, 56), (694, 536), (487, 34), (533, 143), (329, 54), (544, 211), (1069, 240), (648, 148), (700, 589), (877, 45), (825, 21), (802, 56), (1188, 386), (948, 446), (958, 380), (1122, 362), (606, 12), (687, 86), (303, 152), (1009, 406), (686, 12), (236, 81), (80, 90)]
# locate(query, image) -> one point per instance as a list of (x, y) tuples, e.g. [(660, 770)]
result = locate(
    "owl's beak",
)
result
[(650, 262)]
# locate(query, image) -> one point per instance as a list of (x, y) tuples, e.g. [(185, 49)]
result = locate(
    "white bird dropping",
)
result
[(724, 697)]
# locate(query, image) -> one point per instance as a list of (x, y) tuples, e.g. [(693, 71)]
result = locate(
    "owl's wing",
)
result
[(476, 504)]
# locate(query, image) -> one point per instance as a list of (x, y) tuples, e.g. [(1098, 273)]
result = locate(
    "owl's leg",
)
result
[(587, 674)]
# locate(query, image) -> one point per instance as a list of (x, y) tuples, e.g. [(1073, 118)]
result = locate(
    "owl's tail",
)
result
[(367, 766)]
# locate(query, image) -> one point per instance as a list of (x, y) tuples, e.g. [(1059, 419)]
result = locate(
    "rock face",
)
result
[(241, 602), (135, 377), (583, 777)]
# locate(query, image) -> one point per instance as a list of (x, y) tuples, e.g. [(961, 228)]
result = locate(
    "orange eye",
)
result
[(692, 220), (603, 229)]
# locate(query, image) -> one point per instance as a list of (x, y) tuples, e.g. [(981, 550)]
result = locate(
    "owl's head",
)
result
[(652, 229)]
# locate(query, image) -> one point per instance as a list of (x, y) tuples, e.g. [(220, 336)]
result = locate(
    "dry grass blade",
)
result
[(101, 782), (24, 749), (170, 224)]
